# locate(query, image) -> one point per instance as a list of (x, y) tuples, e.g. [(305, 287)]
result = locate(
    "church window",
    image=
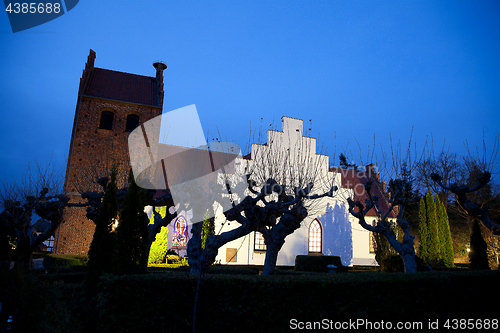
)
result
[(106, 121), (132, 122), (315, 237)]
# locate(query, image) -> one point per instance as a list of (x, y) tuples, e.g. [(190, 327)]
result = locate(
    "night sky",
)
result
[(357, 69)]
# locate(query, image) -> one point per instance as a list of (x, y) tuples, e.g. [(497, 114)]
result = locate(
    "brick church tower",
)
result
[(109, 106)]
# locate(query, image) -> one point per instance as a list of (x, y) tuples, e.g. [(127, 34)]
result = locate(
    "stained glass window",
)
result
[(315, 236), (180, 232)]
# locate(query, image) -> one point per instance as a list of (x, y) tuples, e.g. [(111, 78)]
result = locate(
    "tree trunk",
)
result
[(275, 237), (272, 251), (194, 248), (409, 262), (23, 255)]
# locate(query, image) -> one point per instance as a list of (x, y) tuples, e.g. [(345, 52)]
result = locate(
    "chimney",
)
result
[(160, 67), (370, 169), (89, 66)]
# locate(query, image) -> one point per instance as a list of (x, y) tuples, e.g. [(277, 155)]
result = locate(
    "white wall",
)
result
[(342, 235)]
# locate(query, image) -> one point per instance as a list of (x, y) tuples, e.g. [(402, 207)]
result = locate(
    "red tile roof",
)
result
[(354, 179), (119, 86)]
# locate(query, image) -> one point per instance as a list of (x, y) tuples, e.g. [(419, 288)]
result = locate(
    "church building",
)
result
[(111, 104)]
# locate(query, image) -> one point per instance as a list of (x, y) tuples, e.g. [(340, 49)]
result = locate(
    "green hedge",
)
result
[(318, 263), (394, 263), (154, 302), (215, 269), (163, 302), (62, 262)]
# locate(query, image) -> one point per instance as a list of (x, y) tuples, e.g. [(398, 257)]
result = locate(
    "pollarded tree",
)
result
[(401, 190), (37, 193), (447, 164), (473, 209)]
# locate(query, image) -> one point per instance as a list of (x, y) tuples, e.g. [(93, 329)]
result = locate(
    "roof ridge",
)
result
[(112, 70)]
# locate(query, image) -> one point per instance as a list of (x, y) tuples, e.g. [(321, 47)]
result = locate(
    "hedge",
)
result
[(318, 263), (61, 262), (160, 302)]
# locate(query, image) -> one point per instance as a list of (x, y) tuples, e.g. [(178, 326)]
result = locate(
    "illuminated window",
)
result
[(180, 232), (106, 121), (315, 236), (372, 242), (132, 122), (259, 244), (49, 243)]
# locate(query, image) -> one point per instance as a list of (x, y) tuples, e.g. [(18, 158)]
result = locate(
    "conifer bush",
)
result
[(101, 248), (131, 245), (159, 249)]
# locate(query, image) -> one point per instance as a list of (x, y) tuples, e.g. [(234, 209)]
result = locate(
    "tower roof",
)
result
[(119, 86)]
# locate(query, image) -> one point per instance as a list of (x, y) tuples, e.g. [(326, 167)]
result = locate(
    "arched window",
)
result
[(106, 121), (132, 122), (315, 237)]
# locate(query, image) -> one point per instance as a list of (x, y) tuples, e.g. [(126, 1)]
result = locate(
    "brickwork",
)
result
[(93, 151)]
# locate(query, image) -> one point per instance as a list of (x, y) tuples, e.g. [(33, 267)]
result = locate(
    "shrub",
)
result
[(478, 256), (158, 249), (54, 263), (172, 258), (394, 264)]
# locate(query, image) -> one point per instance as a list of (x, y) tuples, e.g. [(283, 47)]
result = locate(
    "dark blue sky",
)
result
[(356, 68)]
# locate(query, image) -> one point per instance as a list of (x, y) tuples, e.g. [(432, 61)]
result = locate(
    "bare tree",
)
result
[(399, 200), (479, 174), (399, 172), (473, 209), (447, 164), (37, 194)]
